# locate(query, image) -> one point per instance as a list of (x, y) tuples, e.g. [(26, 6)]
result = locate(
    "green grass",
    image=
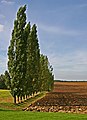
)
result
[(6, 101), (5, 96), (21, 115)]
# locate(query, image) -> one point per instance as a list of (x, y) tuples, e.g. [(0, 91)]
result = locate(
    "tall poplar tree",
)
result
[(37, 60), (16, 55), (28, 84), (33, 59)]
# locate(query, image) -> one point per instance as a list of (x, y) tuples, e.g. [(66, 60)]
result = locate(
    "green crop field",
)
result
[(9, 111)]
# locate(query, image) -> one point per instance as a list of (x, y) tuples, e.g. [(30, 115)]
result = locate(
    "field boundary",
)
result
[(20, 106)]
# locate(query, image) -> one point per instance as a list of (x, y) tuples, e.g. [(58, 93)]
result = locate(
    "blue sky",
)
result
[(62, 33)]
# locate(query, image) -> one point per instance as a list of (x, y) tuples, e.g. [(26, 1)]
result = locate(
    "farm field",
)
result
[(76, 87), (70, 97), (53, 105)]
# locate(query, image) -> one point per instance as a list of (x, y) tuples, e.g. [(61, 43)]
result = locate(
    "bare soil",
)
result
[(66, 97)]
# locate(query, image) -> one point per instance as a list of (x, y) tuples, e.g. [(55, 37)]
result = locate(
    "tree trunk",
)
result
[(18, 99), (26, 97), (14, 99), (21, 99)]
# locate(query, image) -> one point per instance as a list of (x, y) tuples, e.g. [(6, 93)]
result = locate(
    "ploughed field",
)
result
[(66, 97)]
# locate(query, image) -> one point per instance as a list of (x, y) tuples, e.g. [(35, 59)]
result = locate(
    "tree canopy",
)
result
[(29, 71)]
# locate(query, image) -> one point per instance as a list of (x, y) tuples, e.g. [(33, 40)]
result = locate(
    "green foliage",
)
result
[(28, 84), (2, 82), (28, 72), (34, 59), (47, 77), (16, 55), (7, 80)]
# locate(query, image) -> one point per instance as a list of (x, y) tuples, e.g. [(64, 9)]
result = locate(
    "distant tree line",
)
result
[(29, 71), (5, 80), (2, 82)]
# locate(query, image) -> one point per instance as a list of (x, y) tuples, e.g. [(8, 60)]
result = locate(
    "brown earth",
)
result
[(66, 97)]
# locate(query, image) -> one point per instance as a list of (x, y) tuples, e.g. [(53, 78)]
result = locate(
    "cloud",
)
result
[(75, 61), (2, 16), (60, 30), (7, 2), (1, 28), (3, 63), (70, 66)]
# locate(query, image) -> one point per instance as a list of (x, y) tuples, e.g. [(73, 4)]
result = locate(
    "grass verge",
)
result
[(6, 101)]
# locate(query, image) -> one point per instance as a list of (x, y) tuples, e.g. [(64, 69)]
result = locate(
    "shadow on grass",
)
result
[(1, 109)]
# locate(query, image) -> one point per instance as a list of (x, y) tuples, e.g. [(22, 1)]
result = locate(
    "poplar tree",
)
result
[(11, 65), (33, 59), (36, 82), (47, 77), (50, 77), (7, 80), (29, 72), (16, 55), (28, 83)]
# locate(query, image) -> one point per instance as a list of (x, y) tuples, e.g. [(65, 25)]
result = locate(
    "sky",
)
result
[(62, 33)]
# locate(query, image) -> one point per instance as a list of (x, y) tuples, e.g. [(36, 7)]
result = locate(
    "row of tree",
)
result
[(30, 72)]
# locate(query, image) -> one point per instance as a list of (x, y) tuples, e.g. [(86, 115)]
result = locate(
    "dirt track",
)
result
[(66, 97)]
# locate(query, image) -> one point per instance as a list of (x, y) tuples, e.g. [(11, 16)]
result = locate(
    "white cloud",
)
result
[(61, 31), (2, 16), (1, 28), (70, 66), (7, 2), (3, 64)]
